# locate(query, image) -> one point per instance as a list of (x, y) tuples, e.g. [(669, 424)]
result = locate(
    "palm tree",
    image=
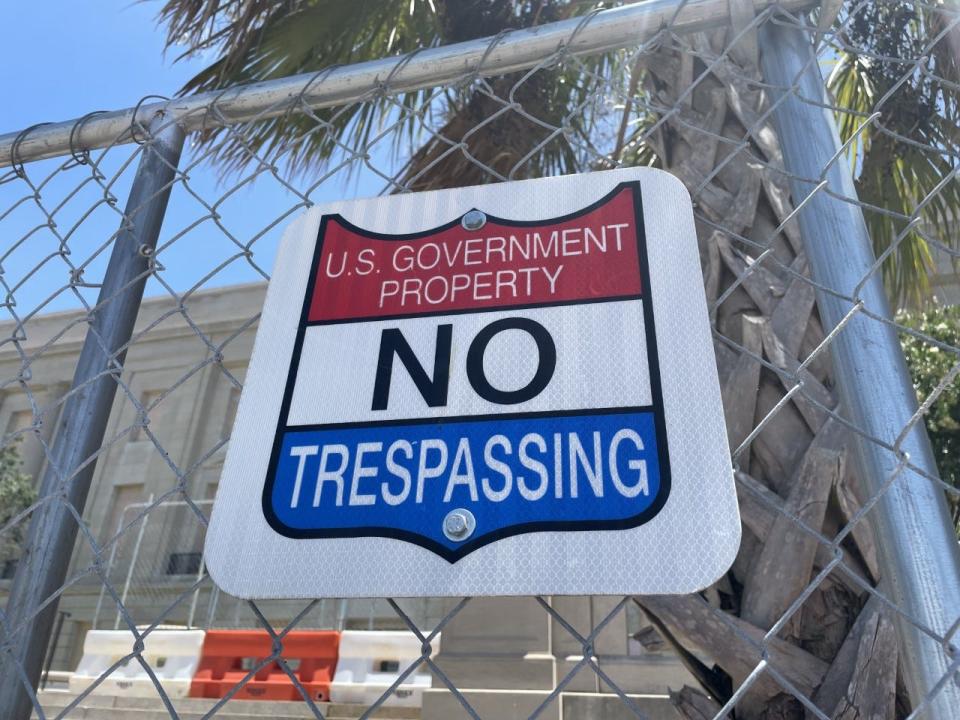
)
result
[(697, 113), (265, 39)]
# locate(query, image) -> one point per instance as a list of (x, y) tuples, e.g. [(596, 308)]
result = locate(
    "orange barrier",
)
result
[(229, 655)]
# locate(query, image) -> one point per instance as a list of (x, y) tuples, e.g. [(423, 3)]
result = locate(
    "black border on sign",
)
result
[(452, 555)]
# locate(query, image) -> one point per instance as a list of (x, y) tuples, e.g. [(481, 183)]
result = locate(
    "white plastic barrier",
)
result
[(173, 655), (371, 661)]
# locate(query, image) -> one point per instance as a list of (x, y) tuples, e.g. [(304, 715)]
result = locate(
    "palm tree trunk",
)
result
[(834, 649)]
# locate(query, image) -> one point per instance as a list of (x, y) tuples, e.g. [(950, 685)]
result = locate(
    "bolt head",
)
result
[(456, 524), (459, 524), (474, 220)]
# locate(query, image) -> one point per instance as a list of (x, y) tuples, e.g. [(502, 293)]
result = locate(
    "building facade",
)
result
[(157, 475)]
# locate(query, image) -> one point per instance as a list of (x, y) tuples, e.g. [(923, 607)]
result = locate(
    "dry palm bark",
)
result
[(795, 481)]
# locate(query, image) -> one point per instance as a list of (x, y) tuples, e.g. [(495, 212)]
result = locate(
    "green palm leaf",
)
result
[(900, 117)]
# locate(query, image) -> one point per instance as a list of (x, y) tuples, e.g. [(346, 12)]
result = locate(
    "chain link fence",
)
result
[(845, 598)]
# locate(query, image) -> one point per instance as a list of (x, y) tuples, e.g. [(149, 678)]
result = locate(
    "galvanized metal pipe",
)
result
[(53, 529), (918, 551), (434, 67)]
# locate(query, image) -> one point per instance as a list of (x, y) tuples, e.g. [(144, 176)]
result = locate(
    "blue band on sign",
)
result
[(514, 475)]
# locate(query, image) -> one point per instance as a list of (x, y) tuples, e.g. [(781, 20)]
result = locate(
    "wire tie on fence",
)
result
[(384, 85), (320, 75), (211, 109), (494, 41), (563, 50), (83, 157), (15, 161), (133, 120)]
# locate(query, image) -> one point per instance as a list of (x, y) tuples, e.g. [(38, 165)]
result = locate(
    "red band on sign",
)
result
[(590, 256)]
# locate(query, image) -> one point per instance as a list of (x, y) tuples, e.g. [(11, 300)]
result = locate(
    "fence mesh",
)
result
[(802, 625)]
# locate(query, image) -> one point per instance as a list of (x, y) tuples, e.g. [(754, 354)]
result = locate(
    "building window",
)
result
[(155, 414), (9, 569), (123, 497), (184, 563)]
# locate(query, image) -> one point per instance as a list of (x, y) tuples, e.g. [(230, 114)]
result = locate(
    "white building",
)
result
[(184, 368)]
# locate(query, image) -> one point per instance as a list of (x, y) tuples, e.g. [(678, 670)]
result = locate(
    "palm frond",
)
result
[(262, 40), (903, 145), (259, 40)]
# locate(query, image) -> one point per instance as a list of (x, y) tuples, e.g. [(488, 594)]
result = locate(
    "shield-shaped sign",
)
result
[(502, 380)]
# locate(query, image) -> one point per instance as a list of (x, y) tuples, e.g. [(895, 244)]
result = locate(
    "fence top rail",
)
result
[(517, 50)]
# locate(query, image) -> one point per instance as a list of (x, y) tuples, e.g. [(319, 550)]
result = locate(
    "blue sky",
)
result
[(61, 59)]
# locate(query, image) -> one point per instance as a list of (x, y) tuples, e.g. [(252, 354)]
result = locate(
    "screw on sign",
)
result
[(459, 524), (507, 389)]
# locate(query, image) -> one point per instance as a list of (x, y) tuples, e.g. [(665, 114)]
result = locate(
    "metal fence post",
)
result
[(919, 557), (43, 566)]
